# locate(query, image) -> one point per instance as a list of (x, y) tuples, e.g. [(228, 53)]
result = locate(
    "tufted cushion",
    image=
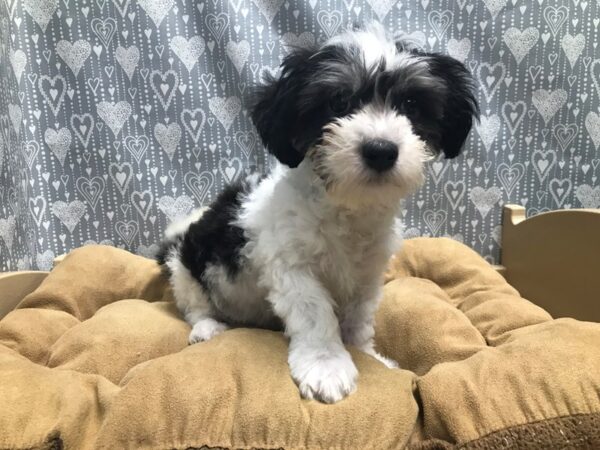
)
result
[(97, 357)]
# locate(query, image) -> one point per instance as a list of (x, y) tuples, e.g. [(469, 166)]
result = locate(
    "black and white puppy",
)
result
[(352, 123)]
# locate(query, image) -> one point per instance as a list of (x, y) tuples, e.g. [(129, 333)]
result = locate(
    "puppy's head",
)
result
[(368, 111)]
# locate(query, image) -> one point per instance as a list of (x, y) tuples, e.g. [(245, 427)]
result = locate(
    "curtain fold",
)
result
[(117, 116)]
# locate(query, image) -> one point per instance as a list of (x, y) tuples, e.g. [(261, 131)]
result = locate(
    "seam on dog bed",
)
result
[(578, 431)]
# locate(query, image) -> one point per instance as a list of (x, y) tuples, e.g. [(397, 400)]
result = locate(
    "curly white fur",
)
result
[(307, 246)]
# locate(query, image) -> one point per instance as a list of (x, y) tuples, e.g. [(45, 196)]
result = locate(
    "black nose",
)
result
[(379, 154)]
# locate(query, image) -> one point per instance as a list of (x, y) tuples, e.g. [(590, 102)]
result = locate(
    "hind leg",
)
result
[(192, 301)]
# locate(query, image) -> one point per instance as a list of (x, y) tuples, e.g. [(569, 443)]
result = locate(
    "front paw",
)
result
[(389, 363), (322, 374), (205, 329)]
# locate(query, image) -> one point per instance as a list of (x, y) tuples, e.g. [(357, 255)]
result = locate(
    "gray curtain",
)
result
[(118, 115)]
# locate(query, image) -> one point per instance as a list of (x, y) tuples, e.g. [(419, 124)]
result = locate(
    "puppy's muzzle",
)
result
[(379, 154)]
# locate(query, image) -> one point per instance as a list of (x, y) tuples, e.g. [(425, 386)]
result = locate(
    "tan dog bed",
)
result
[(97, 357)]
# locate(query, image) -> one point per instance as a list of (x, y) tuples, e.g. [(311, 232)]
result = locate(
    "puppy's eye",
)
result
[(410, 105), (340, 103)]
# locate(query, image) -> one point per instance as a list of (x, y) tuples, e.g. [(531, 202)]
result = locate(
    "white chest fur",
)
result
[(288, 217), (357, 250)]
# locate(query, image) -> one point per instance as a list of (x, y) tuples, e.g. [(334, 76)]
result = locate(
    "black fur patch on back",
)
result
[(213, 239)]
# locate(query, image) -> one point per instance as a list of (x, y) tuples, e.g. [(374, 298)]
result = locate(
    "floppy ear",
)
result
[(274, 108), (460, 104)]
